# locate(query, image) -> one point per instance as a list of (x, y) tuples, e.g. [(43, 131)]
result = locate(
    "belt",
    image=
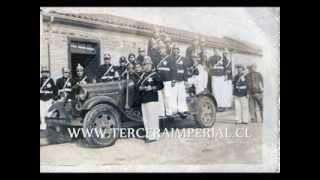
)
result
[(106, 77), (164, 68), (65, 90), (180, 71), (218, 68), (241, 87), (46, 92)]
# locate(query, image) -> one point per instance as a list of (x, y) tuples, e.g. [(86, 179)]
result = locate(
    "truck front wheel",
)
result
[(102, 125), (205, 114)]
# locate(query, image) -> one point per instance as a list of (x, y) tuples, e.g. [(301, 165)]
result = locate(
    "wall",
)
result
[(116, 43)]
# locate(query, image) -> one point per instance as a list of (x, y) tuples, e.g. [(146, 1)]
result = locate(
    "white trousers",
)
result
[(222, 91), (200, 81), (150, 116), (166, 99), (241, 109), (44, 106), (181, 95)]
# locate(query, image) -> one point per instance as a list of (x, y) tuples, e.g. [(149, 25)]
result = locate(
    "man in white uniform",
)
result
[(199, 76), (219, 82), (48, 91)]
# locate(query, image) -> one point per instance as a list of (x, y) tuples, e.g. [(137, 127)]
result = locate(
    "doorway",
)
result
[(86, 53)]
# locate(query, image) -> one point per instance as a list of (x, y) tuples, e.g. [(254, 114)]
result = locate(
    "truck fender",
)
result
[(98, 100)]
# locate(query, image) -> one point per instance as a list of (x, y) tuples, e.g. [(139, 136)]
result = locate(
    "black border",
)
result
[(26, 33)]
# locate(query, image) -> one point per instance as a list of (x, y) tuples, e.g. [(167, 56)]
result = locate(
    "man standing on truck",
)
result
[(47, 92), (122, 68), (148, 89), (81, 77), (107, 71)]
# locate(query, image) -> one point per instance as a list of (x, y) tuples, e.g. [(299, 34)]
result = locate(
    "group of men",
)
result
[(161, 78)]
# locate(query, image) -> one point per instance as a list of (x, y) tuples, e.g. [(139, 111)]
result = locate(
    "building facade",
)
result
[(69, 39)]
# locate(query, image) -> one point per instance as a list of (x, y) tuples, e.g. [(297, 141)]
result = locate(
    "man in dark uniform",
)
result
[(148, 89), (140, 57), (169, 44), (48, 92), (181, 66), (107, 71), (64, 84), (166, 69), (122, 68), (153, 44), (240, 87), (132, 58), (193, 49), (255, 92), (81, 77)]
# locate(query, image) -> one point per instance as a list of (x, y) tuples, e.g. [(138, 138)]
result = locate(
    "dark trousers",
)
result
[(256, 101)]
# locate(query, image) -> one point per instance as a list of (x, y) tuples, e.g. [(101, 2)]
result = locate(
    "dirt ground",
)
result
[(167, 151)]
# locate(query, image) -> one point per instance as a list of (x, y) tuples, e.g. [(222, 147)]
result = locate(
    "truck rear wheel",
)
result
[(103, 123), (205, 115)]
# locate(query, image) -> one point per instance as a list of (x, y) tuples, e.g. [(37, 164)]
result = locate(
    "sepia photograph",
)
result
[(159, 89)]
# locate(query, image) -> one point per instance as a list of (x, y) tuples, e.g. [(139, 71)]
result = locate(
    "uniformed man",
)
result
[(140, 57), (64, 84), (48, 92), (132, 58), (181, 80), (153, 44), (195, 46), (255, 92), (199, 76), (107, 71), (240, 87), (122, 68), (166, 69), (81, 77), (228, 78), (217, 70), (169, 44), (148, 88)]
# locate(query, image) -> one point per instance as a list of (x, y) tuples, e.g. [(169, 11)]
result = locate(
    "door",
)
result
[(86, 53)]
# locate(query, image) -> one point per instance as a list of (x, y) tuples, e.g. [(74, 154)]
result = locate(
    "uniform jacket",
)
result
[(190, 50), (255, 81), (217, 65), (240, 85), (181, 66), (155, 56), (83, 80), (62, 83), (122, 70), (140, 59), (167, 68), (153, 80), (102, 77), (48, 89)]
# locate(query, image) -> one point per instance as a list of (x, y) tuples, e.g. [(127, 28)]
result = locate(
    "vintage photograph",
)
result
[(159, 89)]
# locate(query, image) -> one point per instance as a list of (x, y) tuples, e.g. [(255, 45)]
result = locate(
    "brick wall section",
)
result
[(116, 43)]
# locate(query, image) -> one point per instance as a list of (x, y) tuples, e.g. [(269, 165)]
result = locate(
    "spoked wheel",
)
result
[(206, 112), (102, 126)]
